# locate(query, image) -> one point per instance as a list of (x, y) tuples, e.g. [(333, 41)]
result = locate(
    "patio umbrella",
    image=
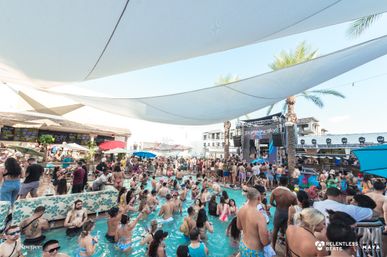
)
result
[(144, 154), (259, 160), (108, 145), (74, 146), (373, 160), (118, 150), (25, 150)]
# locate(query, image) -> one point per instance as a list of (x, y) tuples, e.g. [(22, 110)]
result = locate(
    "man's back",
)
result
[(79, 174), (380, 201), (284, 198), (358, 213), (248, 218)]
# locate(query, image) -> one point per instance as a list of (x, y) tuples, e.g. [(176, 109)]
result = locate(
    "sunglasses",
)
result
[(14, 233), (54, 249)]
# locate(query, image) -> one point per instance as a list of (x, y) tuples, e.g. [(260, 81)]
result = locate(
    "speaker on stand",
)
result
[(277, 139)]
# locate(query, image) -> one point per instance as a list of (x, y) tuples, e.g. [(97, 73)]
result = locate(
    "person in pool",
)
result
[(233, 233), (33, 226), (157, 246), (113, 222), (75, 219), (51, 248), (86, 242), (123, 235), (148, 238), (203, 225), (196, 248), (166, 210), (253, 224), (12, 245)]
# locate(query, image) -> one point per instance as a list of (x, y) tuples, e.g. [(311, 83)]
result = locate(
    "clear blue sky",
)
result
[(361, 111)]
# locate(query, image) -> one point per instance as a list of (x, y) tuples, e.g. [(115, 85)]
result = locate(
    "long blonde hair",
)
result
[(309, 218)]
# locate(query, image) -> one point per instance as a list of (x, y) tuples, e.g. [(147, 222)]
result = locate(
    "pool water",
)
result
[(218, 244)]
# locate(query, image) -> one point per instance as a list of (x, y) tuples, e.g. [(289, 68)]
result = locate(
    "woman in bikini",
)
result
[(124, 233), (87, 243), (300, 239), (118, 176)]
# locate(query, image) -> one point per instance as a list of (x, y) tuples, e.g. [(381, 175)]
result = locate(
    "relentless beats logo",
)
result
[(320, 245)]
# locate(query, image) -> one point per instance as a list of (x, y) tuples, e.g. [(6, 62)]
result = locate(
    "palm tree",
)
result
[(358, 26), (222, 80), (302, 53)]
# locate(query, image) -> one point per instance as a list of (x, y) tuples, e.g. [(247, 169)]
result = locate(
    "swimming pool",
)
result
[(218, 243)]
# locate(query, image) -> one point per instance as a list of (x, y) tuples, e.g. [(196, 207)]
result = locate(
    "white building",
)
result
[(213, 143), (309, 126)]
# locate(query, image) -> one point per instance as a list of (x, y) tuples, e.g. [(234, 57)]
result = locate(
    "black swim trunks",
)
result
[(110, 238), (281, 219), (73, 231), (34, 241)]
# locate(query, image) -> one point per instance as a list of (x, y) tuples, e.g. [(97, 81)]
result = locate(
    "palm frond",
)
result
[(229, 78), (302, 53), (327, 92), (315, 99), (360, 25)]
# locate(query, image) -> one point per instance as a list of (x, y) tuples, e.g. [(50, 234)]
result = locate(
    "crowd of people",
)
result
[(303, 218)]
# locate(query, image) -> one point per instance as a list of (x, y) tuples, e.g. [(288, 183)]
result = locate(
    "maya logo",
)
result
[(320, 245)]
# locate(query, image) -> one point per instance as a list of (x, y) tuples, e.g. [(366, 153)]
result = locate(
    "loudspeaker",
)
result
[(237, 141), (277, 139), (253, 149)]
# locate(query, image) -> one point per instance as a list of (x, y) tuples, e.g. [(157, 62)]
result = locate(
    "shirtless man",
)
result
[(178, 206), (51, 248), (253, 224), (189, 222), (123, 236), (216, 187), (12, 246), (164, 190), (183, 194), (152, 200), (381, 201), (166, 210), (75, 219), (32, 227), (204, 196), (154, 182), (281, 198), (113, 221), (179, 175)]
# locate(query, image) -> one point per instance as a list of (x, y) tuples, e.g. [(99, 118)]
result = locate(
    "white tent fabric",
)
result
[(74, 146), (42, 42), (219, 103)]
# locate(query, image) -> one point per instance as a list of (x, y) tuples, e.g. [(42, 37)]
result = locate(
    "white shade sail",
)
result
[(219, 103), (45, 41)]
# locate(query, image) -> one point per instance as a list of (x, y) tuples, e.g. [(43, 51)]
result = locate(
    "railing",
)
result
[(370, 238)]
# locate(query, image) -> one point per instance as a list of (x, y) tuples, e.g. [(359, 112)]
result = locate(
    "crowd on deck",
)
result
[(303, 218)]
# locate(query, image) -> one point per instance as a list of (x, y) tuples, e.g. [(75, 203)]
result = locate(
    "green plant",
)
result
[(91, 145), (45, 140)]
